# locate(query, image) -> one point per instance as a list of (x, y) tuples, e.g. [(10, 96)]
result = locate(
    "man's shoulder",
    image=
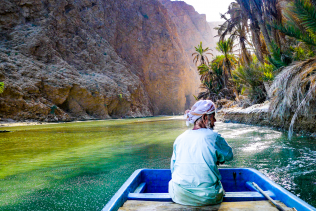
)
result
[(209, 135), (184, 134), (202, 133), (208, 132)]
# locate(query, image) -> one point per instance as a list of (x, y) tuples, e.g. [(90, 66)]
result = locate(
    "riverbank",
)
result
[(259, 114), (13, 123)]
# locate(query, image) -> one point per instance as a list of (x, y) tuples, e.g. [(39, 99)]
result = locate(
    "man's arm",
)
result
[(218, 163), (223, 151), (173, 160)]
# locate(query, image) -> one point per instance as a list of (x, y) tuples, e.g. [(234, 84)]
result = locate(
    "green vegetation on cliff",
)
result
[(1, 87)]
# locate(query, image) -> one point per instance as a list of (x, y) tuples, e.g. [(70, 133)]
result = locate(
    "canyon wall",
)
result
[(192, 28), (96, 59), (215, 36)]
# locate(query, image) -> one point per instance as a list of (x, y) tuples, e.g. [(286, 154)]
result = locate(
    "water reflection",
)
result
[(256, 147), (79, 166)]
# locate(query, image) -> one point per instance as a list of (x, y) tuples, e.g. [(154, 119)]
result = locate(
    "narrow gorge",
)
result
[(77, 60)]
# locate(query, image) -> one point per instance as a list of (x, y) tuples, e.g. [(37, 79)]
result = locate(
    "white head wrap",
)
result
[(198, 109)]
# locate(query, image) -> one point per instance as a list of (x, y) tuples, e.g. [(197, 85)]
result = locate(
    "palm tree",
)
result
[(227, 61), (300, 21), (251, 77), (273, 14), (201, 55), (208, 93), (257, 15), (205, 72), (281, 29), (212, 73), (212, 82), (294, 89), (237, 28), (254, 11), (213, 90)]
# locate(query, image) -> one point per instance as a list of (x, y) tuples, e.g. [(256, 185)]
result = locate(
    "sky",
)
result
[(211, 8)]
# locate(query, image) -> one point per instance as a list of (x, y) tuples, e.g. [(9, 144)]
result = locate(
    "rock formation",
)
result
[(192, 27), (214, 32), (259, 114), (67, 60)]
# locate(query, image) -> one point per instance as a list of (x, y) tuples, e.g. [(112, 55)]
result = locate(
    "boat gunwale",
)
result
[(280, 192), (121, 195), (134, 180)]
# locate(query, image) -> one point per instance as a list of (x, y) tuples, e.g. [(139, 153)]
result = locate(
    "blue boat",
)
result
[(240, 184)]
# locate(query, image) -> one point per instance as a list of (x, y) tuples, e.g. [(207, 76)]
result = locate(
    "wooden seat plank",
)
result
[(133, 205), (229, 196)]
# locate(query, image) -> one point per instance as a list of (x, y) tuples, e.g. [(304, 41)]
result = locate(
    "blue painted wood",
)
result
[(157, 180), (121, 195), (246, 196), (149, 196), (250, 186), (234, 180), (141, 188)]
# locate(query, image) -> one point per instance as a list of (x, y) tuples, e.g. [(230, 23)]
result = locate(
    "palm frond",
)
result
[(294, 92), (293, 31), (201, 55), (306, 13), (251, 76)]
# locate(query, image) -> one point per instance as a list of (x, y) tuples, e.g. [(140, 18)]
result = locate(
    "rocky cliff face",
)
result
[(215, 39), (192, 27), (67, 60)]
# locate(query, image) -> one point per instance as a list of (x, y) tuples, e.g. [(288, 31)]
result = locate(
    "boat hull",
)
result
[(152, 185)]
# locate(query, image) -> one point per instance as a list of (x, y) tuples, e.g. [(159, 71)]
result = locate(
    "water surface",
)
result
[(79, 166)]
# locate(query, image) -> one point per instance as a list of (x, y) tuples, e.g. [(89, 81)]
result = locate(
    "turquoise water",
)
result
[(79, 166)]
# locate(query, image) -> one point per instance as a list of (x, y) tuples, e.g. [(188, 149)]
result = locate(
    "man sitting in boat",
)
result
[(196, 154)]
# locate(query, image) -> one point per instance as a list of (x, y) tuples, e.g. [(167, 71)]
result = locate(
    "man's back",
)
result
[(195, 177)]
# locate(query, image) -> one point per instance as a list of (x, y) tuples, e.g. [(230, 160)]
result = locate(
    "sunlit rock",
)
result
[(93, 59)]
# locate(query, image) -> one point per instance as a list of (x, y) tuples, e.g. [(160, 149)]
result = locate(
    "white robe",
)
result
[(195, 176)]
